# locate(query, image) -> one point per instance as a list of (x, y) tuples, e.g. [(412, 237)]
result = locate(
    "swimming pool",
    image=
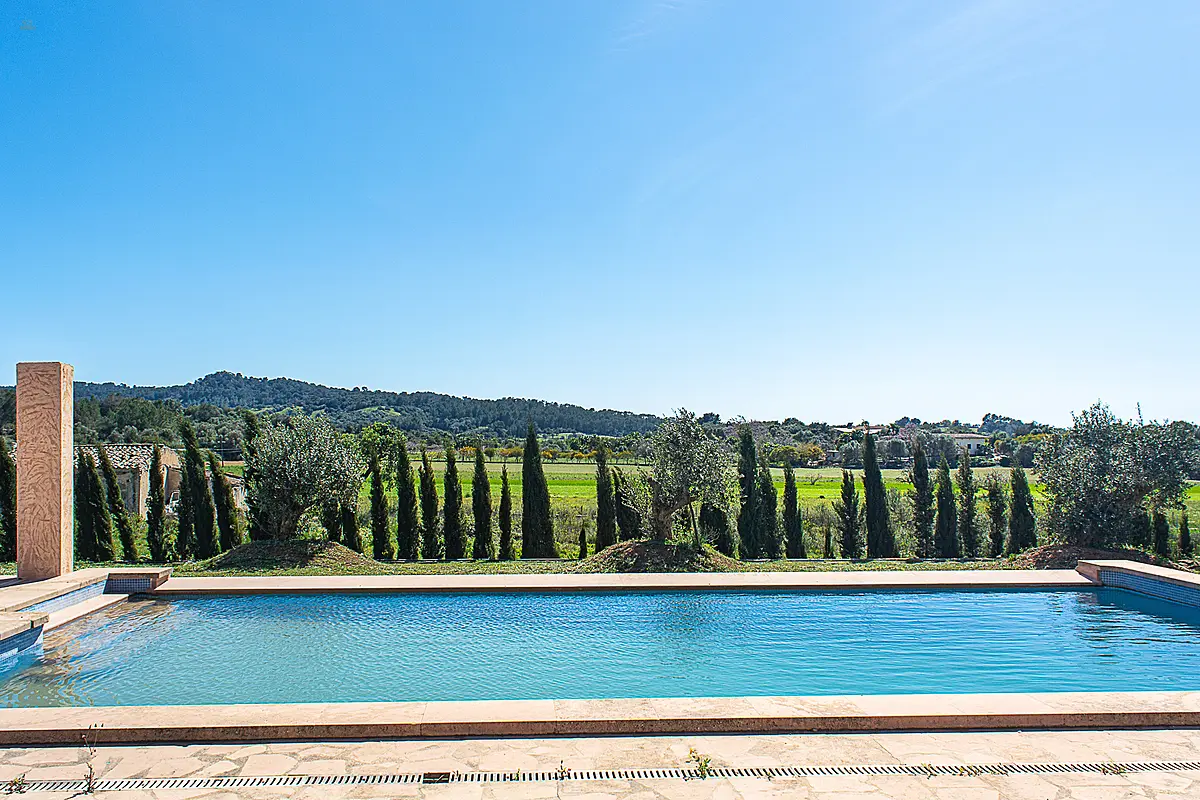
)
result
[(479, 646)]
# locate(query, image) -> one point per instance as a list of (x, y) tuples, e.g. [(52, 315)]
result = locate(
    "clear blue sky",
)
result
[(828, 210)]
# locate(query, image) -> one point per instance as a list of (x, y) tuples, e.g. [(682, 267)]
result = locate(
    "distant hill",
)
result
[(355, 408)]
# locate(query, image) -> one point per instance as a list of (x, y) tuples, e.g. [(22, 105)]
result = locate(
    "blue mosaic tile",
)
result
[(68, 599), (14, 644), (129, 584), (1155, 587)]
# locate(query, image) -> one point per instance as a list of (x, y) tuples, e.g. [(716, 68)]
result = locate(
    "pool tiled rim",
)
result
[(1167, 584)]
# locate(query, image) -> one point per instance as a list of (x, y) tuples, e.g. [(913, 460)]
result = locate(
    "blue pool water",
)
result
[(330, 648)]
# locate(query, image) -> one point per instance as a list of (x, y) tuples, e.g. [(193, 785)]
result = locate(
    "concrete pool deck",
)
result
[(608, 717)]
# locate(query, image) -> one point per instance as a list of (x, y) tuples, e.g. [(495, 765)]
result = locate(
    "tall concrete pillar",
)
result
[(45, 469)]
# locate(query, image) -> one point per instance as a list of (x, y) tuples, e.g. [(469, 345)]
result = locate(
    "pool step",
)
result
[(674, 773)]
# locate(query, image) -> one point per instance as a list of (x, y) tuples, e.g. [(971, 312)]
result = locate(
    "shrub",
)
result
[(1103, 473), (300, 464)]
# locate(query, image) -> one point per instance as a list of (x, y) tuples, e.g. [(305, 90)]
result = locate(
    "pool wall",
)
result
[(1160, 582), (27, 608)]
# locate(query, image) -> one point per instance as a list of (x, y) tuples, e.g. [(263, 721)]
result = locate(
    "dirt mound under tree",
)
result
[(1063, 556), (653, 556), (310, 555)]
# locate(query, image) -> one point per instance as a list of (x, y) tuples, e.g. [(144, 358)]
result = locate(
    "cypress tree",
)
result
[(331, 520), (583, 550), (506, 538), (456, 545), (793, 525), (85, 539), (185, 540), (768, 510), (749, 514), (204, 522), (116, 507), (714, 526), (1185, 535), (481, 509), (8, 504), (537, 529), (849, 517), (1162, 534), (629, 519), (350, 534), (945, 534), (922, 502), (105, 548), (228, 525), (1022, 530), (408, 528), (881, 543), (250, 432), (95, 520), (156, 512), (431, 540), (997, 507), (968, 528), (606, 502), (381, 540)]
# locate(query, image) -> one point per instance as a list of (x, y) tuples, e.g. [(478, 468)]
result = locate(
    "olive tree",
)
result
[(299, 464), (1104, 475), (689, 465)]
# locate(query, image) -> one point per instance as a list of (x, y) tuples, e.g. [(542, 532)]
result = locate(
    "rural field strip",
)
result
[(766, 773)]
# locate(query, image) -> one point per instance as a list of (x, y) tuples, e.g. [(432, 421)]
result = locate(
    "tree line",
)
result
[(1108, 483)]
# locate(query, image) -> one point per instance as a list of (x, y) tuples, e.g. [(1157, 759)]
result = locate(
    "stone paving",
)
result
[(528, 755)]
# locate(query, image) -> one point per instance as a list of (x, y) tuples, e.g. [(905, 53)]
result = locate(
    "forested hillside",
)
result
[(354, 408)]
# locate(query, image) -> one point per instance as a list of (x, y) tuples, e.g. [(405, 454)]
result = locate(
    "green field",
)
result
[(574, 486), (573, 490)]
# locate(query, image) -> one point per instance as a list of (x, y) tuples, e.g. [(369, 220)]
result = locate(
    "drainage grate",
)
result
[(922, 770)]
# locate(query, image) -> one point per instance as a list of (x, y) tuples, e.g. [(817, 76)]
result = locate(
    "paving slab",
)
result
[(830, 751)]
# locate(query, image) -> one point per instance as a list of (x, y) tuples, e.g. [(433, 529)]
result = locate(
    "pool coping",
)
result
[(666, 581), (610, 717)]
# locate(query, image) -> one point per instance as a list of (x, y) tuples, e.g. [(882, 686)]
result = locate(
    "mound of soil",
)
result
[(1062, 556), (300, 554), (652, 556)]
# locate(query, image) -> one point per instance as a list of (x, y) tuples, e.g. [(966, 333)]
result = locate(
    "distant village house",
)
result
[(972, 441)]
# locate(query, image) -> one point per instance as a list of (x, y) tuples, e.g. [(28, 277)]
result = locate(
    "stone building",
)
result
[(131, 462)]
